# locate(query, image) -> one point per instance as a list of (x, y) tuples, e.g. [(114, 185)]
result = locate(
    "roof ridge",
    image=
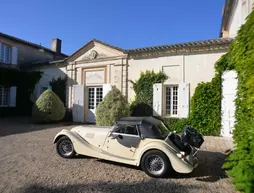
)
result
[(223, 40), (29, 43), (109, 45)]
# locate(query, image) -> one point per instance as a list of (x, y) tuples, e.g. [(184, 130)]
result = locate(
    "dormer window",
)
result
[(5, 54)]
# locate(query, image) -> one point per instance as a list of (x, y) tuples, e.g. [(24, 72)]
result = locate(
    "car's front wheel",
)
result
[(155, 163), (64, 147)]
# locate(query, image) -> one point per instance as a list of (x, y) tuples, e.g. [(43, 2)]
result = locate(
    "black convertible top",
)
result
[(148, 126), (138, 121)]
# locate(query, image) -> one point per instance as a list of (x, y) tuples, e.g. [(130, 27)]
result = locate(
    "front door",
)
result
[(123, 141), (95, 96)]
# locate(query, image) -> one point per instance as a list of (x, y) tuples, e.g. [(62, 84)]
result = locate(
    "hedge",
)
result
[(205, 107), (176, 124)]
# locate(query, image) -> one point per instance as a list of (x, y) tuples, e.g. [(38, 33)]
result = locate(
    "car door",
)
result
[(123, 141)]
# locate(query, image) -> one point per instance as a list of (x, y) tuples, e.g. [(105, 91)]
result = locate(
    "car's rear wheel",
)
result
[(64, 147), (155, 163)]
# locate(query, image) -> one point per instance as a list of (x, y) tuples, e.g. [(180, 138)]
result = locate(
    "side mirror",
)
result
[(142, 136)]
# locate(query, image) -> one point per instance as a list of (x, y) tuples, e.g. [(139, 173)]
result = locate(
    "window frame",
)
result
[(171, 86), (125, 134), (2, 96), (4, 52)]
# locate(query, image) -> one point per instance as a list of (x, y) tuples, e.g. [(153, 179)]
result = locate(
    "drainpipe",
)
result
[(127, 77), (71, 80), (122, 68)]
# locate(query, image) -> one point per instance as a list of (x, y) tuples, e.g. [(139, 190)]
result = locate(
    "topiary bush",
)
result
[(176, 124), (113, 107), (240, 163), (143, 88), (48, 108)]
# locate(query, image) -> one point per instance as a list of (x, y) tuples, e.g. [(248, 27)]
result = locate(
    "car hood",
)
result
[(94, 135), (91, 128)]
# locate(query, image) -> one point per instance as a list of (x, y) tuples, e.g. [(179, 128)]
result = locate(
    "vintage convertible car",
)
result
[(139, 141)]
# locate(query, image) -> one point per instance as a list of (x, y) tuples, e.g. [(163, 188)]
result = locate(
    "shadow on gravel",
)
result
[(16, 125), (209, 168), (153, 185)]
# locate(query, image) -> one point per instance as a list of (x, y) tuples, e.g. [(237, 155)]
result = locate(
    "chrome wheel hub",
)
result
[(66, 147), (154, 164)]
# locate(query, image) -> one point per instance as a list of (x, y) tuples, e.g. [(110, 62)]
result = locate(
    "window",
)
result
[(5, 54), (4, 96), (171, 100), (127, 129), (91, 98), (99, 95)]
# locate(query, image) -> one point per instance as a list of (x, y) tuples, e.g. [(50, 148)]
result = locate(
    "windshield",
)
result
[(163, 129)]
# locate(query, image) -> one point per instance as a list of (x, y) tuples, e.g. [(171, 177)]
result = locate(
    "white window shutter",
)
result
[(14, 56), (78, 103), (184, 100), (157, 99), (13, 91), (106, 89)]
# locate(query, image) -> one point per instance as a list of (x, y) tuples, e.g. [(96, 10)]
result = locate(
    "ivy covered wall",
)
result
[(241, 58), (25, 83), (143, 88), (207, 99)]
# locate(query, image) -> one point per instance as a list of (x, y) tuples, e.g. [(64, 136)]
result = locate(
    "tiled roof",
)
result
[(29, 43), (203, 43), (224, 42)]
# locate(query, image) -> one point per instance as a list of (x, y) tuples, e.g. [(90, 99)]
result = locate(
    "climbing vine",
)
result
[(143, 88), (59, 87), (205, 107), (241, 58), (25, 83)]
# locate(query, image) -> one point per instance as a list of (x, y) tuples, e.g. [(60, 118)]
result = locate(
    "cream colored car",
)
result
[(138, 141)]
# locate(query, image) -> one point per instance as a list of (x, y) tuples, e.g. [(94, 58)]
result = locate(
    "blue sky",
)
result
[(123, 23)]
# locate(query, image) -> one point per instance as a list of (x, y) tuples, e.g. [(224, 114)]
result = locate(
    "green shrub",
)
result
[(113, 107), (241, 56), (48, 108), (176, 124), (143, 88), (138, 109), (205, 109)]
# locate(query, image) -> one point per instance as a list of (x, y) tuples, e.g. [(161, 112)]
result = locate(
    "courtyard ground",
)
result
[(29, 163)]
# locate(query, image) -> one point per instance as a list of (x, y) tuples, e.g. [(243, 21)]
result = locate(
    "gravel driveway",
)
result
[(29, 163)]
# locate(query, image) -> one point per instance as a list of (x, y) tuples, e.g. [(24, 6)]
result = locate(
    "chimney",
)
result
[(56, 45)]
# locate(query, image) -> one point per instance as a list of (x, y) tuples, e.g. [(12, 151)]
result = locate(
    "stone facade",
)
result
[(97, 64)]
